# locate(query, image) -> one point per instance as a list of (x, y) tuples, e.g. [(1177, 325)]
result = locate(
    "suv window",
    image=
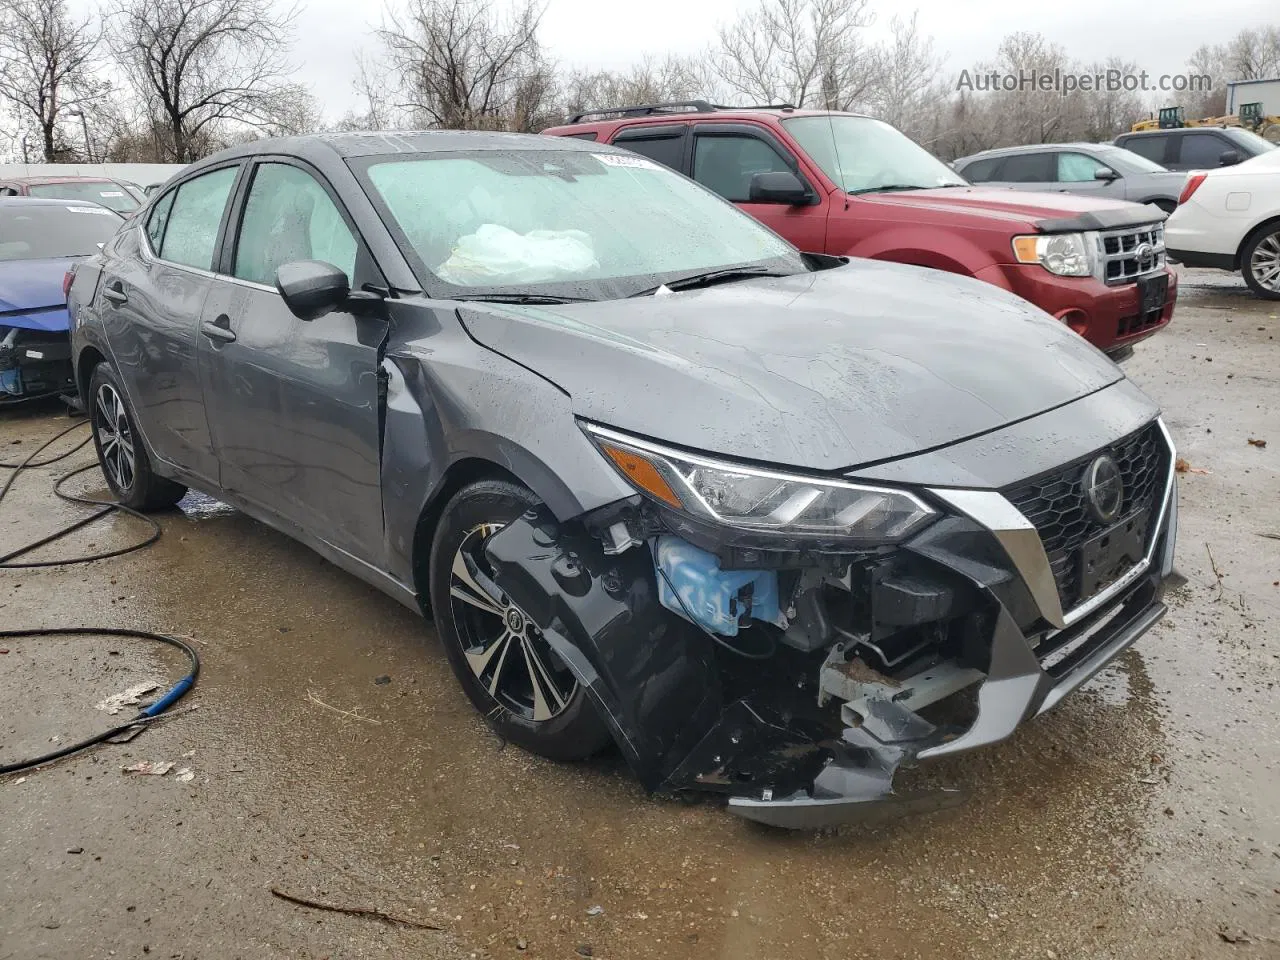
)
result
[(1077, 167), (1150, 147), (1028, 168), (981, 171), (1202, 149), (663, 144), (192, 231), (726, 164), (290, 217), (159, 219)]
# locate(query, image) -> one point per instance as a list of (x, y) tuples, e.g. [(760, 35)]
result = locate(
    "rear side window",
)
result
[(981, 171), (666, 148), (1203, 149), (1150, 147), (159, 218), (290, 217), (727, 164), (583, 136), (192, 230), (1028, 168)]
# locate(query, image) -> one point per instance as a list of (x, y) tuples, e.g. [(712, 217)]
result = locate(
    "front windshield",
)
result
[(105, 192), (31, 232), (1251, 140), (565, 223), (863, 155), (1126, 161)]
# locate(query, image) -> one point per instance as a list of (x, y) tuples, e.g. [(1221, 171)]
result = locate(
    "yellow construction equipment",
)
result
[(1250, 117)]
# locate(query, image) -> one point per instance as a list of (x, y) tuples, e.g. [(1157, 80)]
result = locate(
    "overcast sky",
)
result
[(580, 33)]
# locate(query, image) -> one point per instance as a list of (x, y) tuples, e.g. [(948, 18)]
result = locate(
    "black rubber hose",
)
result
[(146, 715), (106, 507)]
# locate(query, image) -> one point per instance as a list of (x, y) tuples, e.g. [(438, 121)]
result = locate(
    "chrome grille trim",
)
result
[(1117, 253)]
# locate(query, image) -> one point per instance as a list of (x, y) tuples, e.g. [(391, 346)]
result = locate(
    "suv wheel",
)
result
[(1260, 262), (505, 665), (121, 454)]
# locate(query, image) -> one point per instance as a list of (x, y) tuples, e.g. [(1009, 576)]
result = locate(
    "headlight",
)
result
[(763, 500), (1066, 254)]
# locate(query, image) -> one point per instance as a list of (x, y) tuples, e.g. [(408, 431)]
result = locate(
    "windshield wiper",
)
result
[(890, 187), (711, 276), (529, 298)]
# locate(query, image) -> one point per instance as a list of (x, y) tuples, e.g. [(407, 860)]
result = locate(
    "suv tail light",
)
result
[(67, 279), (1190, 187)]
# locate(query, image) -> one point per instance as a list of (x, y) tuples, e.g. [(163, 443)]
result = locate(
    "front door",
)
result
[(293, 405), (151, 307), (726, 157)]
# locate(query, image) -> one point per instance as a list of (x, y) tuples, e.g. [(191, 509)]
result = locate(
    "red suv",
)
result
[(844, 184)]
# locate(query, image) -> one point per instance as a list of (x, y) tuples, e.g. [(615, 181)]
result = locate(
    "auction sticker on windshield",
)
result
[(102, 211), (620, 160)]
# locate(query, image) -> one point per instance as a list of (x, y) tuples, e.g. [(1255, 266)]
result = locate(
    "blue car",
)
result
[(40, 240)]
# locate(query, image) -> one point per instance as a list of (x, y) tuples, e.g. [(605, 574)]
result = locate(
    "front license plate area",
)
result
[(1153, 291), (1104, 558)]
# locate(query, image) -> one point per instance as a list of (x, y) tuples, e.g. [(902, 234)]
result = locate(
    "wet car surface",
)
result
[(1138, 819)]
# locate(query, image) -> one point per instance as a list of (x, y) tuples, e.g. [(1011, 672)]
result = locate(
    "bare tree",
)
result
[(650, 81), (803, 52), (47, 65), (1112, 109), (464, 65), (908, 84), (204, 68), (371, 85), (1253, 54)]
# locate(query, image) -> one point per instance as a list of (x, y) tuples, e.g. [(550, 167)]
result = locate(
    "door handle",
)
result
[(114, 292), (219, 329)]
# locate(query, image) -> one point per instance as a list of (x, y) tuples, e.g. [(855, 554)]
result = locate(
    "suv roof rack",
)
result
[(673, 106)]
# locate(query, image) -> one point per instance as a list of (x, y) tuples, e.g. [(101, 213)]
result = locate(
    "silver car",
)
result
[(1089, 169)]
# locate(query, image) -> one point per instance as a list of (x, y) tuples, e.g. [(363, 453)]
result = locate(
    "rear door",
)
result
[(151, 299), (1028, 171), (294, 406), (726, 156), (665, 143), (1156, 147)]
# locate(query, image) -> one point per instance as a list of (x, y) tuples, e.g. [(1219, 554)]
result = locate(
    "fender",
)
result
[(918, 246), (429, 433)]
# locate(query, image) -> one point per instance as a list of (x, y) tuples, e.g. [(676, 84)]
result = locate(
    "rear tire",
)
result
[(1260, 261), (503, 662), (121, 453)]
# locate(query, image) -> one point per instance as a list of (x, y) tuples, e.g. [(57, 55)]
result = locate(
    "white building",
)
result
[(1266, 92)]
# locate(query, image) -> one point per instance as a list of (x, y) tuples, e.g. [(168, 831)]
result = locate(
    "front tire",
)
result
[(505, 665), (1260, 262), (121, 453)]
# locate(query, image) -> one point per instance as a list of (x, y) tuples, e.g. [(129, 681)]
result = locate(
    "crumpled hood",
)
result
[(824, 371), (31, 294), (1026, 208)]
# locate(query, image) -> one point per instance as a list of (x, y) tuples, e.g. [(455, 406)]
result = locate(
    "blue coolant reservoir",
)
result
[(720, 600)]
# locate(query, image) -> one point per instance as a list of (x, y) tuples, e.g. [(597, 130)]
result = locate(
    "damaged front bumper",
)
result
[(979, 587)]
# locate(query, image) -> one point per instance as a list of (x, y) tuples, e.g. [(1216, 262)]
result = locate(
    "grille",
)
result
[(1055, 503), (1119, 253)]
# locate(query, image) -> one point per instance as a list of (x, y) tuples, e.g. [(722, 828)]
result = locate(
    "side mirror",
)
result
[(778, 186), (312, 288), (1105, 173), (1229, 158)]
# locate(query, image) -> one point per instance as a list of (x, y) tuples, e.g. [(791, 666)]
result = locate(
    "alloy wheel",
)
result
[(115, 439), (508, 654), (1265, 262)]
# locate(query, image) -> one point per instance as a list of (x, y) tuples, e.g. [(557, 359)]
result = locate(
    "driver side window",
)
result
[(287, 217)]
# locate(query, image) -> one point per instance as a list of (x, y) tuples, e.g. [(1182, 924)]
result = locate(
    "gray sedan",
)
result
[(1089, 169), (660, 479)]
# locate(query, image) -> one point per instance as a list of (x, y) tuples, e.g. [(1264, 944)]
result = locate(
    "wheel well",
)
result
[(90, 357), (458, 475), (1264, 225)]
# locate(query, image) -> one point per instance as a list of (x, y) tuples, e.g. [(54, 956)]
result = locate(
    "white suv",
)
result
[(1229, 219)]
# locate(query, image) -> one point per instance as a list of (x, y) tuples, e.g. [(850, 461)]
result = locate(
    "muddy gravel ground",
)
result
[(334, 758)]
